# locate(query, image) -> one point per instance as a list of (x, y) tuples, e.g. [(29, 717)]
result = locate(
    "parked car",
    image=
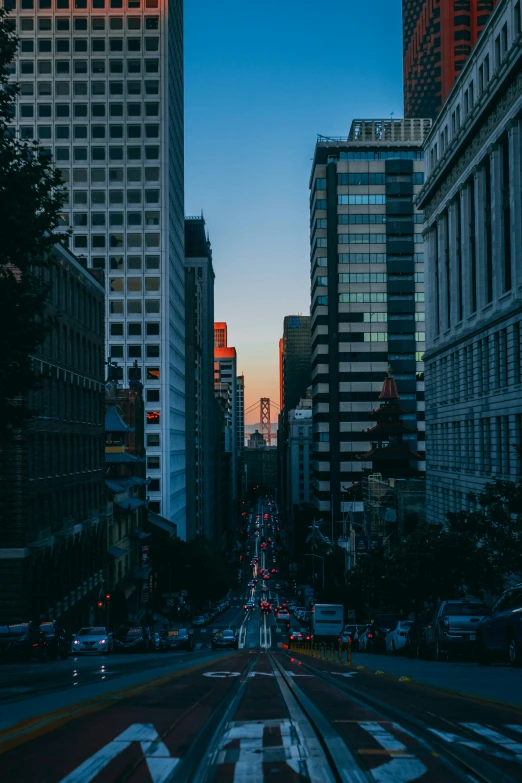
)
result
[(415, 646), (380, 628), (22, 642), (177, 639), (57, 640), (132, 639), (364, 636), (223, 639), (499, 634), (396, 638), (349, 635), (198, 621), (93, 639), (453, 628)]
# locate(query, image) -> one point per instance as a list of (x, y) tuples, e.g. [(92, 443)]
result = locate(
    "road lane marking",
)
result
[(399, 770), (159, 761), (221, 675), (495, 737)]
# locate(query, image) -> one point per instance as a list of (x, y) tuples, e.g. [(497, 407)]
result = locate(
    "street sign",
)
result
[(351, 614), (170, 602), (184, 593)]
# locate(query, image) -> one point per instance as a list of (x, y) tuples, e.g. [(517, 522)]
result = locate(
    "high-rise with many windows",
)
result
[(367, 276), (101, 87), (438, 36)]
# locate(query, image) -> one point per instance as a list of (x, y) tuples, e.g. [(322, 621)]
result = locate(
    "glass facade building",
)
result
[(367, 275), (101, 87)]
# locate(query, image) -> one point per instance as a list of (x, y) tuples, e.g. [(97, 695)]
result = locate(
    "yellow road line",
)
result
[(31, 728)]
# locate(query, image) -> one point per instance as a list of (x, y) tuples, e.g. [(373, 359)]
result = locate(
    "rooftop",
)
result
[(370, 131)]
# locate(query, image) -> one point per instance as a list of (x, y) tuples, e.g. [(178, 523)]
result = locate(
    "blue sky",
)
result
[(262, 79)]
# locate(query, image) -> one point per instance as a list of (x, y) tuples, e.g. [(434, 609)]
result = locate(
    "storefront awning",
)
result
[(165, 524)]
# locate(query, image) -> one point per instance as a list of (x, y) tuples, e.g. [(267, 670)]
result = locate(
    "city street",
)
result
[(261, 712)]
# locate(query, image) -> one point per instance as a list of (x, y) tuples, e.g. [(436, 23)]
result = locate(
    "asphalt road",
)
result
[(261, 713)]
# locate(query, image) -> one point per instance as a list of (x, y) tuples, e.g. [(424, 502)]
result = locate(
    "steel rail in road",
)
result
[(199, 763), (459, 761)]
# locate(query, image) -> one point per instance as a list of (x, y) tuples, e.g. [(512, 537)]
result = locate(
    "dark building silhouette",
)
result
[(295, 359), (199, 380), (438, 36), (53, 513)]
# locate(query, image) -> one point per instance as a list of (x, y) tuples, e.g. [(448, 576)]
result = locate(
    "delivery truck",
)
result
[(328, 621)]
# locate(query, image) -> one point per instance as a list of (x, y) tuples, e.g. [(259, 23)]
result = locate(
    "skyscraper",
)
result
[(199, 378), (295, 359), (225, 386), (438, 36), (101, 87), (367, 276)]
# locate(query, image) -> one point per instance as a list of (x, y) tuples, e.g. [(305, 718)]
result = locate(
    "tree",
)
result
[(31, 198), (494, 525)]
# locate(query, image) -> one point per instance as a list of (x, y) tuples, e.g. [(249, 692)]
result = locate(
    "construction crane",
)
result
[(265, 424)]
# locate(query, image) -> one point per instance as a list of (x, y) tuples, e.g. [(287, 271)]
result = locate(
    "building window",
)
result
[(153, 417), (375, 337)]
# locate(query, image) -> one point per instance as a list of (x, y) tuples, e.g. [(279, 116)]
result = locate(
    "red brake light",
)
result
[(369, 636)]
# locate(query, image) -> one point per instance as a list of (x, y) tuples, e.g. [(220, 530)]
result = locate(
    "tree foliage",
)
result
[(195, 566), (31, 198), (475, 553)]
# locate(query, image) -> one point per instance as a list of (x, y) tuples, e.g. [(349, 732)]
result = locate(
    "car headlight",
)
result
[(76, 641), (102, 641)]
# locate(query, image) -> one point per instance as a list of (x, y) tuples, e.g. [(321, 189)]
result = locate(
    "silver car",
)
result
[(92, 639)]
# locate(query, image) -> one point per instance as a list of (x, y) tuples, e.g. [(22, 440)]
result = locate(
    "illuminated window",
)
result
[(153, 417), (153, 374)]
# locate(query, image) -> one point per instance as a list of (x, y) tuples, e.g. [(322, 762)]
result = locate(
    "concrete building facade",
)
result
[(367, 274), (101, 88), (199, 374), (472, 206)]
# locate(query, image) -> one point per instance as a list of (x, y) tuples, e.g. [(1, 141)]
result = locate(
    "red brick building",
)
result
[(438, 36)]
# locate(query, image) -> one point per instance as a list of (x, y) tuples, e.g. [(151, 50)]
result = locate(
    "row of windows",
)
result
[(134, 284), (80, 23), (81, 45), (115, 176), (134, 306), (116, 197), (361, 178), (361, 258), (115, 219), (80, 110), (80, 132), (383, 155), (80, 89), (134, 241), (135, 352), (365, 199), (81, 67), (135, 329), (352, 218), (376, 297), (64, 5), (363, 277), (361, 239)]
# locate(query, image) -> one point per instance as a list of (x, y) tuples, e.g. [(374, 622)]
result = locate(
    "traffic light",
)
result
[(100, 604), (108, 596)]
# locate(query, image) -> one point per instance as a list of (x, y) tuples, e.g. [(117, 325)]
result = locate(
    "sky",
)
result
[(262, 79)]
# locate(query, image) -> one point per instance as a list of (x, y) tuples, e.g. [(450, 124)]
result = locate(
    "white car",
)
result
[(94, 639), (396, 639)]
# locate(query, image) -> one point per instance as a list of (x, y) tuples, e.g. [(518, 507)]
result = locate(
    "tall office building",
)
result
[(472, 201), (101, 87), (367, 275), (240, 435), (295, 367), (438, 36), (199, 379), (225, 386)]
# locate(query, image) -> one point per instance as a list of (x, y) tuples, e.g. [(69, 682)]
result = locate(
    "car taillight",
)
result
[(369, 635)]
